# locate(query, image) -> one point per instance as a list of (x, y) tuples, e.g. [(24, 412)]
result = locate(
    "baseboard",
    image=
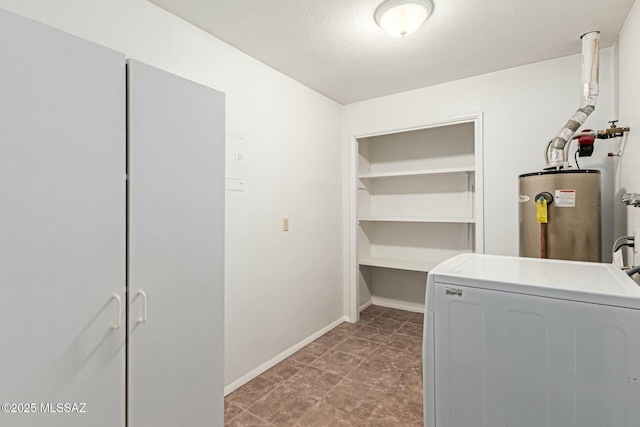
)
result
[(401, 305), (365, 305), (228, 389)]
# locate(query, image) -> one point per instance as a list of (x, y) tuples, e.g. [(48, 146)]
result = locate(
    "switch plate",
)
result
[(285, 224)]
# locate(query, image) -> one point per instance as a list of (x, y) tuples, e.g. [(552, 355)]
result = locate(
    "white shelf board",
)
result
[(416, 172), (399, 264), (417, 219)]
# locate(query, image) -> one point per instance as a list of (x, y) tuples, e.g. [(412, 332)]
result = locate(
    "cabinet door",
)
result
[(506, 359), (176, 250), (62, 227)]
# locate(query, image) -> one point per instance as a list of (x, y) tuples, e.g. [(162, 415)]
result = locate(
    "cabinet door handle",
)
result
[(143, 318), (118, 322)]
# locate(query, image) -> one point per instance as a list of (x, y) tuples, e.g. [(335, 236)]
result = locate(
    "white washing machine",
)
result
[(524, 342)]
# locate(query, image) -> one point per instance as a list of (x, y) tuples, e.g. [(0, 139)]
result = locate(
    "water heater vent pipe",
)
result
[(555, 154)]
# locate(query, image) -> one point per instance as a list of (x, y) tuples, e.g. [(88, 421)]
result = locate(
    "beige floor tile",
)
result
[(282, 407), (409, 386), (370, 333), (249, 393), (393, 357), (373, 309), (230, 410), (417, 318), (246, 419), (310, 353), (355, 397), (380, 356), (367, 317), (313, 382), (345, 328), (357, 346), (377, 374), (337, 362), (386, 323), (330, 341), (395, 411), (337, 334), (283, 371), (396, 314), (416, 362), (405, 342), (413, 329), (324, 415)]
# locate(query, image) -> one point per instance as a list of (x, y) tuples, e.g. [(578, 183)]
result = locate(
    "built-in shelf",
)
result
[(449, 220), (418, 201), (399, 264), (416, 172)]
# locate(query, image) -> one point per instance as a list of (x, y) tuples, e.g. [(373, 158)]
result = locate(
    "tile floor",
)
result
[(363, 374)]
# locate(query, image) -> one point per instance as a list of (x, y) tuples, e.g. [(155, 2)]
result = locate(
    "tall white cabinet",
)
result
[(78, 241), (62, 226), (176, 249), (418, 197)]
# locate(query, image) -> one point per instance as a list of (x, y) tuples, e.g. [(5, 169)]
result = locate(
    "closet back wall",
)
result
[(280, 287)]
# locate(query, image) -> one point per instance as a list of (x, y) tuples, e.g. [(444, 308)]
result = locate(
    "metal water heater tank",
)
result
[(574, 230)]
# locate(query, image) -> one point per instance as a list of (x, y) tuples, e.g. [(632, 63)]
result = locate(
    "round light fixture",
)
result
[(403, 17)]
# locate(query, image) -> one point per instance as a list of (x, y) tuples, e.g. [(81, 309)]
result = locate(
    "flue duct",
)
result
[(555, 155)]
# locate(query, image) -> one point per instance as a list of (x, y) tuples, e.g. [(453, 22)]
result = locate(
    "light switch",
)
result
[(285, 224)]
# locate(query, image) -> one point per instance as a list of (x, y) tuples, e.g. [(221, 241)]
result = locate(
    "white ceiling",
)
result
[(336, 48)]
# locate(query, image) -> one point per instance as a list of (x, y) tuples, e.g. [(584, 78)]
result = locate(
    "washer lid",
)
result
[(571, 280)]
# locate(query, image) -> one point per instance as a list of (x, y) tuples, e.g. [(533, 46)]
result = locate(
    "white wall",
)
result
[(280, 287), (628, 82), (523, 108)]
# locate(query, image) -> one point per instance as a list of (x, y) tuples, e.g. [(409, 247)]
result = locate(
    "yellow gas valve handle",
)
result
[(541, 210)]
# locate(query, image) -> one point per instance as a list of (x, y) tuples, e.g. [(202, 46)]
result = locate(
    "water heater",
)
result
[(573, 228)]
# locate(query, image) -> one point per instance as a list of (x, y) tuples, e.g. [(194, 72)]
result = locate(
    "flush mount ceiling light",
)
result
[(403, 17)]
